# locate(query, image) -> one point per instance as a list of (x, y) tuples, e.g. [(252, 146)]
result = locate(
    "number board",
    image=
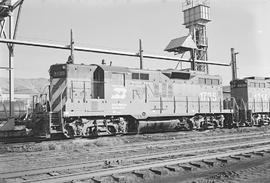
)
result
[(58, 71)]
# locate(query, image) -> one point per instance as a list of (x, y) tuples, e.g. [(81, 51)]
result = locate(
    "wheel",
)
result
[(112, 130), (215, 124), (189, 125), (69, 132)]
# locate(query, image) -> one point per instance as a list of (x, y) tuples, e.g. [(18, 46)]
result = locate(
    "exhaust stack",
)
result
[(233, 64)]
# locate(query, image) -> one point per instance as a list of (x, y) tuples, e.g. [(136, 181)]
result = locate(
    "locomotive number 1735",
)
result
[(205, 96)]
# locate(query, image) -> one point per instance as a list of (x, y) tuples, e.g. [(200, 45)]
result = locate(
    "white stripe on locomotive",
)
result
[(57, 94)]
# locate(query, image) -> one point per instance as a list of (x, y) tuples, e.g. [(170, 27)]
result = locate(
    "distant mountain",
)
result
[(25, 86)]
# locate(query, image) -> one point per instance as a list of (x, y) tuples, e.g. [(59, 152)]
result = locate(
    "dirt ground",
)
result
[(87, 144)]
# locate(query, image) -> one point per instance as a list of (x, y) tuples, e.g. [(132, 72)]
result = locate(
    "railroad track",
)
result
[(140, 146), (172, 145), (24, 139), (139, 162)]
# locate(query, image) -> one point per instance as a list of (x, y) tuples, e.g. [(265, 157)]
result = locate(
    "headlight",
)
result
[(66, 113)]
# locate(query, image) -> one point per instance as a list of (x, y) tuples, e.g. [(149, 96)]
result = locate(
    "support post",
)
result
[(71, 57), (174, 104), (192, 52), (187, 104), (145, 91), (199, 104), (160, 105), (11, 65), (141, 54)]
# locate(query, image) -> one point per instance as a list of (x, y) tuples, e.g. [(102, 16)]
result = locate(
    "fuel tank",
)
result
[(158, 126)]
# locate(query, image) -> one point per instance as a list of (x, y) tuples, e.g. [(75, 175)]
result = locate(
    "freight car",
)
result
[(252, 95), (20, 109), (92, 100)]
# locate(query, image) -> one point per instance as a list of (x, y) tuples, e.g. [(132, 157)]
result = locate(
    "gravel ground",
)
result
[(86, 144), (254, 170), (37, 154)]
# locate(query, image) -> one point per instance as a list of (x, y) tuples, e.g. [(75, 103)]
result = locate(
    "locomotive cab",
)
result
[(70, 91)]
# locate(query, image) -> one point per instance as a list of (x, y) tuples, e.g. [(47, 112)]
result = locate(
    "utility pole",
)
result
[(71, 46), (141, 54), (11, 66), (233, 64)]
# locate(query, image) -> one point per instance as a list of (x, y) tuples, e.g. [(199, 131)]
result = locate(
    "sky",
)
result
[(119, 24)]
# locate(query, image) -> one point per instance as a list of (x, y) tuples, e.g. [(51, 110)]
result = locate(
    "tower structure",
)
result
[(196, 16), (7, 16)]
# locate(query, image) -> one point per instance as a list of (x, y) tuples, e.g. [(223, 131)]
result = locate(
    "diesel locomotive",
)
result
[(95, 100), (252, 96), (92, 100)]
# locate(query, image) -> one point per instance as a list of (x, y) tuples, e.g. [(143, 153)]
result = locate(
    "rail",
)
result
[(151, 161)]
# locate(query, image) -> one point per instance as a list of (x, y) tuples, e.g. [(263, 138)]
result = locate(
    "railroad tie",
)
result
[(258, 153), (235, 157), (97, 179), (139, 174), (156, 171), (197, 165), (160, 170), (223, 160), (210, 163), (171, 168), (246, 155), (185, 167), (119, 178)]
